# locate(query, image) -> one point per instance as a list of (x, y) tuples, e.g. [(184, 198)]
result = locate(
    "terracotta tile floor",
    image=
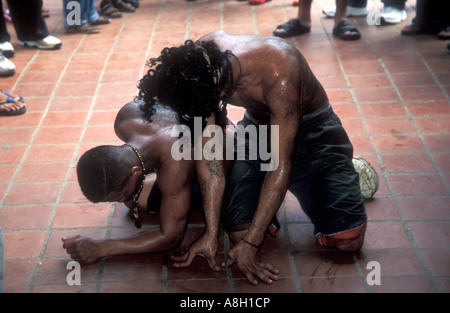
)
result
[(392, 93)]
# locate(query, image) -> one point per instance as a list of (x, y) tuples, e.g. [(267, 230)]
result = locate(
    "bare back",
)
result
[(270, 68)]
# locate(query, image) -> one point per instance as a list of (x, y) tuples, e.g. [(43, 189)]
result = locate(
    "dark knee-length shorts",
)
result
[(323, 179)]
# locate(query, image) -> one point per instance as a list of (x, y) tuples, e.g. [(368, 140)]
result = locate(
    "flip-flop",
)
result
[(10, 99), (444, 34), (110, 11), (291, 28), (346, 31), (134, 3)]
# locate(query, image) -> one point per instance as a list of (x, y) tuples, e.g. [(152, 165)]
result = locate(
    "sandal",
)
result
[(110, 11), (291, 28), (257, 2), (101, 21), (346, 31), (134, 3), (82, 29), (414, 30), (444, 34), (124, 7), (11, 103)]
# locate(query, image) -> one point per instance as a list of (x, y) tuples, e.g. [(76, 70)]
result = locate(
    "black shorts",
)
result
[(323, 179)]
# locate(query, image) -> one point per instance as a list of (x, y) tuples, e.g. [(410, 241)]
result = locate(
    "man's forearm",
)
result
[(212, 185), (143, 242), (272, 193)]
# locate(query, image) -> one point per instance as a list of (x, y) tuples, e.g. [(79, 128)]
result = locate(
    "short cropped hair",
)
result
[(101, 170)]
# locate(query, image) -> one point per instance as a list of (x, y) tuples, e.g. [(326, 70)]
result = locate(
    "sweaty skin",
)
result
[(174, 180), (277, 87)]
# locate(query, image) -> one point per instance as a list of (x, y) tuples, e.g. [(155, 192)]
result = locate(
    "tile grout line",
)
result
[(287, 242), (409, 235), (29, 146), (366, 129), (25, 154)]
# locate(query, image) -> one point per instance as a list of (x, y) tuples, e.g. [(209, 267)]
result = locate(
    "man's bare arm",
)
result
[(176, 189)]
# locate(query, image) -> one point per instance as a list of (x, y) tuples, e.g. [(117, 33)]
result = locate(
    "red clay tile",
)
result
[(26, 217), (425, 208), (332, 285), (23, 244), (428, 107), (9, 136), (408, 162), (33, 193), (434, 235), (133, 268), (389, 125), (82, 215), (58, 134), (381, 235), (18, 275), (380, 109), (424, 184), (421, 284), (381, 209), (433, 124), (50, 153)]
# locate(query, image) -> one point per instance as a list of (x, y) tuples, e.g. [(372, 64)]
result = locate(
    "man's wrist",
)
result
[(251, 244)]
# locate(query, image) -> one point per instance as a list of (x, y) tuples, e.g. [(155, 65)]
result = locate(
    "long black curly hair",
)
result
[(189, 79)]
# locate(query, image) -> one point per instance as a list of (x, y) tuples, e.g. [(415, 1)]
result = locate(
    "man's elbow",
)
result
[(174, 239)]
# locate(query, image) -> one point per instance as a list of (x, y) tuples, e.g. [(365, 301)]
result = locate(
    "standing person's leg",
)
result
[(343, 29), (93, 17), (30, 25), (80, 26), (354, 8), (5, 46), (27, 19), (296, 26), (394, 11), (4, 35)]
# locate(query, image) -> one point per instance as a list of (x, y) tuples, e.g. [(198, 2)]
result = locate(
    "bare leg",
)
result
[(304, 12), (341, 9)]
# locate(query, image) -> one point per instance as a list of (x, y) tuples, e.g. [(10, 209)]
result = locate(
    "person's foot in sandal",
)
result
[(82, 29), (11, 105), (123, 6), (291, 28), (102, 20), (346, 31), (108, 10), (444, 34), (414, 30)]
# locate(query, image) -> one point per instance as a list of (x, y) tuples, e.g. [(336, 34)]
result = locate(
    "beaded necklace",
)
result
[(138, 213)]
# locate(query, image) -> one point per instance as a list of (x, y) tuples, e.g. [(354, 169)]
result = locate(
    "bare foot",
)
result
[(11, 104)]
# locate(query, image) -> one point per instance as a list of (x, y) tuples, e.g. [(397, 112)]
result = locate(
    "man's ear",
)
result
[(136, 171)]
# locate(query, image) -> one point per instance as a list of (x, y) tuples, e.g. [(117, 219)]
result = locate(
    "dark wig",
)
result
[(99, 172), (188, 79)]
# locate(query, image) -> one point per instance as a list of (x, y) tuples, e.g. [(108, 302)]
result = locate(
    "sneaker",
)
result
[(7, 49), (47, 43), (7, 68), (391, 15), (330, 11)]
